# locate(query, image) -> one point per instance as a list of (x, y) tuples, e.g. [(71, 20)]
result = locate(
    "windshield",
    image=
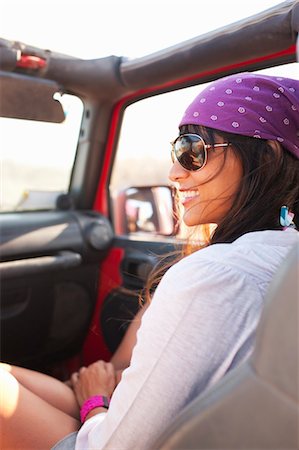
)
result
[(37, 158)]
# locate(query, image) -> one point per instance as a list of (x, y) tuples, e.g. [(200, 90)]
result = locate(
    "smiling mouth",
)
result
[(188, 196)]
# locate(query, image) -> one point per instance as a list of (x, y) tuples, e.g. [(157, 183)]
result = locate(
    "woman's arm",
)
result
[(122, 357)]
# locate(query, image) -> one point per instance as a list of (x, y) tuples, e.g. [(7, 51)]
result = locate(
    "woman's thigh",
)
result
[(28, 421), (53, 391)]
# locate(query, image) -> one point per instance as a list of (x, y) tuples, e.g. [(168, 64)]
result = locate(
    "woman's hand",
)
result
[(97, 379)]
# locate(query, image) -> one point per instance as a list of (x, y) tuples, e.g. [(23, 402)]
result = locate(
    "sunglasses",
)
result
[(191, 151)]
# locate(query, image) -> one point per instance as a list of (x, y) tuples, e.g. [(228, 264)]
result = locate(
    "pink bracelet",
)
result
[(96, 401)]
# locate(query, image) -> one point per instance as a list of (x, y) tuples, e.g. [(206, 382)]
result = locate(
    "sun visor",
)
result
[(25, 97)]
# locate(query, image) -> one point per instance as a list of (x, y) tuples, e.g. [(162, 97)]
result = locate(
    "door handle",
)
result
[(40, 264)]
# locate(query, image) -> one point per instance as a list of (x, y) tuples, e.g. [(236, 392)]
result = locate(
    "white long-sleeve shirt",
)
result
[(200, 324)]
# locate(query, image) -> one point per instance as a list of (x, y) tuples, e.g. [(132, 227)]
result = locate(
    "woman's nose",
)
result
[(177, 172)]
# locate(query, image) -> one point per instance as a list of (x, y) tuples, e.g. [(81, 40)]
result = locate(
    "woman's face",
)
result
[(208, 194)]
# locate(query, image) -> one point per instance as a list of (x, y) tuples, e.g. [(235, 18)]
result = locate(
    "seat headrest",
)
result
[(276, 354)]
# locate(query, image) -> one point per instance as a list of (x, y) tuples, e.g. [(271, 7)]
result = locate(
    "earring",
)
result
[(286, 217)]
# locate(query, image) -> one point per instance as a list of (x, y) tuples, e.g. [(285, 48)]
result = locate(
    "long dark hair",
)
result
[(270, 180)]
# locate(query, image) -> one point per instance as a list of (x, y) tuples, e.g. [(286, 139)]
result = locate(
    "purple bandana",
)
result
[(250, 104)]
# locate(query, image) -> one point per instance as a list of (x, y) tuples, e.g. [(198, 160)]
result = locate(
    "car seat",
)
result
[(255, 406)]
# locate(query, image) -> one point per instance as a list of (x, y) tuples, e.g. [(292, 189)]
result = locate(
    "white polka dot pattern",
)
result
[(244, 102)]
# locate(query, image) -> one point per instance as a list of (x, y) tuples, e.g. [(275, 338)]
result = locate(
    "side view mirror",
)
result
[(145, 209)]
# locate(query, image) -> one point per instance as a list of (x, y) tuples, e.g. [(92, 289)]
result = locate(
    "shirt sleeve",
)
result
[(200, 316)]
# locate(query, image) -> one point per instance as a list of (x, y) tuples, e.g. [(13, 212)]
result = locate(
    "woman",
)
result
[(236, 164)]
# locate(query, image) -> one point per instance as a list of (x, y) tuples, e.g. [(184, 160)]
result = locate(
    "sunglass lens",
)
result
[(190, 152)]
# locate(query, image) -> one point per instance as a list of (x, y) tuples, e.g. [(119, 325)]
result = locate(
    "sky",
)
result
[(96, 28)]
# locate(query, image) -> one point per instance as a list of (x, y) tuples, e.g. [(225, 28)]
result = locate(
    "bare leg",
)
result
[(47, 388), (27, 421)]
